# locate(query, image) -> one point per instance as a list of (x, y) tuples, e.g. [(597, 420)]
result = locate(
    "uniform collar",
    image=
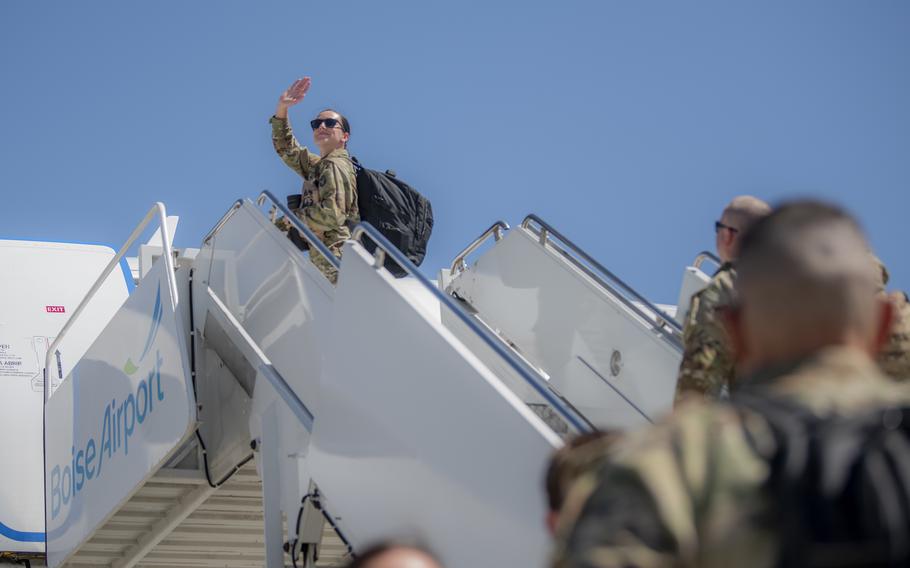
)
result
[(843, 363), (337, 153), (725, 267)]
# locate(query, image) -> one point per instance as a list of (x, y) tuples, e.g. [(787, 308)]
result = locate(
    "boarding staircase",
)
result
[(240, 410)]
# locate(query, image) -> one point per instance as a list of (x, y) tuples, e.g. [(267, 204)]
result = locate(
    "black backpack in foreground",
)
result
[(397, 210), (841, 484)]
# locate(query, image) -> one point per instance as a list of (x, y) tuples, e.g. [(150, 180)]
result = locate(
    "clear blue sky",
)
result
[(627, 125)]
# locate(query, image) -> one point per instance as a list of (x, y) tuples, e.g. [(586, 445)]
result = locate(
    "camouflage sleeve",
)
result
[(601, 537), (678, 495), (894, 358), (707, 363), (335, 200), (292, 154)]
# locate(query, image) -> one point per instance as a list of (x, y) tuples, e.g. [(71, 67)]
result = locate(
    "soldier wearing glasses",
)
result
[(329, 195), (707, 366), (697, 488)]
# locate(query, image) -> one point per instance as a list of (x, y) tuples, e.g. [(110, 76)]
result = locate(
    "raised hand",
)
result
[(293, 95)]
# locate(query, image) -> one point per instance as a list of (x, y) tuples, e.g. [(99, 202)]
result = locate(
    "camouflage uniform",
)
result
[(688, 492), (894, 358), (329, 195), (569, 463), (707, 367)]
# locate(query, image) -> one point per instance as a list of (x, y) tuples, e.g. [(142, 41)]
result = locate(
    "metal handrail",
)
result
[(224, 219), (305, 231), (704, 255), (662, 319), (384, 247), (168, 256), (254, 354), (496, 230)]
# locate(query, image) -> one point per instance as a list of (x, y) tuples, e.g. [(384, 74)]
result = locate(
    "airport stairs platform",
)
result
[(243, 411), (609, 351), (219, 528)]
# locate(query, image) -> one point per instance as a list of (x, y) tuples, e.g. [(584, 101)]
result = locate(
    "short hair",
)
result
[(744, 210), (377, 549), (345, 125), (578, 455), (806, 268)]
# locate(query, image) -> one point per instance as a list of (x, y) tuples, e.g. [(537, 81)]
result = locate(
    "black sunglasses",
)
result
[(329, 123), (718, 226)]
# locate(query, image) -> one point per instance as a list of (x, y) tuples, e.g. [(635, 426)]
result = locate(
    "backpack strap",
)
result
[(789, 425), (357, 167)]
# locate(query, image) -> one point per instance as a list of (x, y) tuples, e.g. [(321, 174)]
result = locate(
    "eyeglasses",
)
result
[(718, 226), (329, 123)]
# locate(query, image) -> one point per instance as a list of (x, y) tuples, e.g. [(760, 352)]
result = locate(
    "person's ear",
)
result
[(552, 522), (886, 320), (345, 136)]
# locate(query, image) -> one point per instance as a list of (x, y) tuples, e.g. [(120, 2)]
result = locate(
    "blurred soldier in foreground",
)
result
[(717, 484), (581, 454), (707, 365), (329, 195), (395, 555)]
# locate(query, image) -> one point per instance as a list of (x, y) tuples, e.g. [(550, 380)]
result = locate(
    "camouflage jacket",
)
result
[(895, 356), (707, 366), (688, 491), (329, 195)]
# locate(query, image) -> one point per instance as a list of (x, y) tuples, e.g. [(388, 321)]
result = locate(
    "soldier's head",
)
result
[(737, 217), (394, 554), (804, 283), (580, 455), (331, 131)]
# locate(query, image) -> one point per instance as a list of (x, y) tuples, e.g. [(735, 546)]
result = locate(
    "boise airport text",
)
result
[(119, 422)]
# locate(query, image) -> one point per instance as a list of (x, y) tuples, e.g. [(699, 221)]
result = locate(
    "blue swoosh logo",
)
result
[(21, 536), (129, 367), (156, 323)]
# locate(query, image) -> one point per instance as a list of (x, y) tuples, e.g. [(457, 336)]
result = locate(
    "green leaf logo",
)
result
[(129, 368)]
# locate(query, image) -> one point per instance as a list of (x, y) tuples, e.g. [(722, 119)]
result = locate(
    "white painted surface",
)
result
[(285, 305), (565, 323), (117, 416), (156, 240), (414, 435), (693, 280), (42, 284)]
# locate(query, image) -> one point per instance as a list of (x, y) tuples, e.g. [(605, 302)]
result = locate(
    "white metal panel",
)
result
[(283, 302), (124, 408), (42, 284), (415, 435), (693, 281), (607, 361)]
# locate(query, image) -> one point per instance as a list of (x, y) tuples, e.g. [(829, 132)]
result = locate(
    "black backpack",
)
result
[(397, 210), (841, 484)]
